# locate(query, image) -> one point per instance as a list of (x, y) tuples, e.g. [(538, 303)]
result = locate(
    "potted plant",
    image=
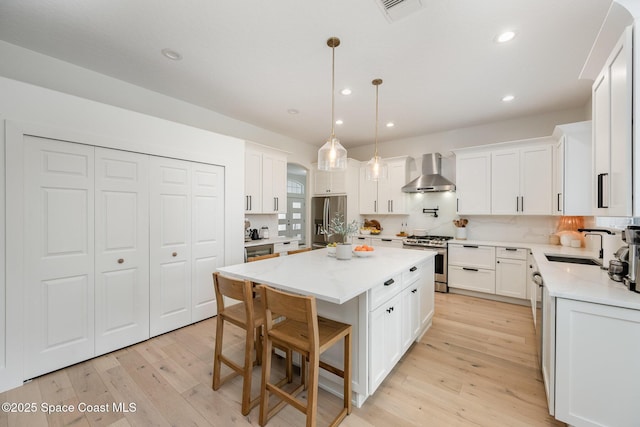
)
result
[(339, 227)]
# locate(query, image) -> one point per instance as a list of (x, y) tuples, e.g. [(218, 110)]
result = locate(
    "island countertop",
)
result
[(327, 278)]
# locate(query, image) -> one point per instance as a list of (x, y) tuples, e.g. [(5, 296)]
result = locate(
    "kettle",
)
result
[(254, 234)]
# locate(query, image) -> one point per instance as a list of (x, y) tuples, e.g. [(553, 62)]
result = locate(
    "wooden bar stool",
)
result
[(259, 257), (297, 251), (248, 314), (305, 332)]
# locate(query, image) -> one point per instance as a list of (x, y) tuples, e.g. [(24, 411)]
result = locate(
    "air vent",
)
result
[(395, 10)]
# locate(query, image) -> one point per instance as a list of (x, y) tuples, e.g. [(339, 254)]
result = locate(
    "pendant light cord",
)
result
[(333, 91), (376, 148)]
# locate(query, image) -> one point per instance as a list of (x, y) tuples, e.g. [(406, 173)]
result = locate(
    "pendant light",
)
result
[(332, 155), (376, 167)]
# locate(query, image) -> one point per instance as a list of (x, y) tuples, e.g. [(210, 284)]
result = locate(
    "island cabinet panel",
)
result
[(597, 369), (385, 342)]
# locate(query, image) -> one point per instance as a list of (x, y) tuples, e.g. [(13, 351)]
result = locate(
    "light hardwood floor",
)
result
[(475, 366)]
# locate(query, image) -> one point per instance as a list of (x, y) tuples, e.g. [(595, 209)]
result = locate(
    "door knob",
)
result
[(175, 254), (120, 261)]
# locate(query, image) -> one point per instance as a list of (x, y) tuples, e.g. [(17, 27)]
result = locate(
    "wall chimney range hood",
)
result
[(431, 180)]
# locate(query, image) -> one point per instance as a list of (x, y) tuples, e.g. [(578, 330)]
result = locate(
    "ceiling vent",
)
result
[(395, 10)]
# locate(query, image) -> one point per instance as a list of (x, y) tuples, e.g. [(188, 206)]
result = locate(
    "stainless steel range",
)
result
[(434, 243)]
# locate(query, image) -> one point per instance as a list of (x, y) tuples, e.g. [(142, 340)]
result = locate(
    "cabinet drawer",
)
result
[(384, 291), (511, 252), (472, 279), (472, 256), (359, 240), (285, 246), (412, 274), (389, 243)]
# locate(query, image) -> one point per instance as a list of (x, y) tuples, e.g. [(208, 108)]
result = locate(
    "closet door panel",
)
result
[(207, 236), (59, 253), (170, 244), (122, 249)]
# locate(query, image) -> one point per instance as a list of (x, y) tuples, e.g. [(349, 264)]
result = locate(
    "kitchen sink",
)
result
[(573, 259)]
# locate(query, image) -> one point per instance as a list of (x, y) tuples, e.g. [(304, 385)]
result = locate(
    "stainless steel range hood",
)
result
[(431, 180)]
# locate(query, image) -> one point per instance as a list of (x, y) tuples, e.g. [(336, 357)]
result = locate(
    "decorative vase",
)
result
[(461, 233), (343, 251)]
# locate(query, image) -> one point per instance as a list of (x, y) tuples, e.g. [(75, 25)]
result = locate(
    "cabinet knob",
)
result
[(120, 261), (175, 254)]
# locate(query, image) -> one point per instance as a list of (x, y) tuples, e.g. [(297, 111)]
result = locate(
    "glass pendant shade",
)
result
[(376, 169), (332, 156)]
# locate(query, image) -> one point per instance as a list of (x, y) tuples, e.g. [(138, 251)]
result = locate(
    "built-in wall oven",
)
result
[(433, 243)]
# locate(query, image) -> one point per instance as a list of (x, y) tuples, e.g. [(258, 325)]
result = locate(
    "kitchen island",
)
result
[(387, 298)]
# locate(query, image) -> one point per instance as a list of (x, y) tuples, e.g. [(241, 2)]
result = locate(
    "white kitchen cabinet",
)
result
[(252, 181), (521, 180), (265, 185), (597, 353), (284, 247), (121, 249), (511, 272), (59, 252), (385, 196), (470, 255), (185, 242), (612, 94), (385, 340), (473, 183), (417, 302), (472, 279), (336, 182), (549, 347), (410, 314), (572, 174), (361, 240), (385, 242), (274, 183)]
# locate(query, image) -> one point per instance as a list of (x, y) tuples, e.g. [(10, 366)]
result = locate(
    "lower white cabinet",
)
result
[(385, 342), (472, 279), (400, 311), (284, 247), (597, 375), (389, 243), (511, 272)]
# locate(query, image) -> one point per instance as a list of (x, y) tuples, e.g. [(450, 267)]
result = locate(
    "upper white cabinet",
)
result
[(385, 196), (265, 185), (473, 183), (572, 173), (612, 95), (336, 182), (521, 180)]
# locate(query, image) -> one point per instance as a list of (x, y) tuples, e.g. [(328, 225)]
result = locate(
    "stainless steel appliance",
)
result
[(537, 279), (323, 209), (632, 237), (431, 179), (434, 243)]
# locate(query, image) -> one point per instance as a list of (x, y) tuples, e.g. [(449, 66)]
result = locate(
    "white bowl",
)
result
[(363, 231), (363, 254)]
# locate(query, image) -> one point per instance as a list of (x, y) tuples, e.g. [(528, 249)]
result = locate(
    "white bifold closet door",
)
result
[(59, 254), (122, 249), (187, 231)]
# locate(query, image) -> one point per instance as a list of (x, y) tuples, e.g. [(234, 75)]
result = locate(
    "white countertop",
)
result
[(269, 241), (327, 278), (573, 281)]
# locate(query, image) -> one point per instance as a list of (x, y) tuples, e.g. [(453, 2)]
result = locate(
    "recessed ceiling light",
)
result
[(508, 98), (346, 91), (339, 122), (171, 54), (293, 111), (390, 124), (505, 37)]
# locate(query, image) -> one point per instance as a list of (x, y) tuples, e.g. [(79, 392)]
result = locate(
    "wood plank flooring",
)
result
[(476, 366)]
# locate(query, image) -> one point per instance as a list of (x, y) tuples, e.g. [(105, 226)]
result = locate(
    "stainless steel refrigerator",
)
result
[(323, 209)]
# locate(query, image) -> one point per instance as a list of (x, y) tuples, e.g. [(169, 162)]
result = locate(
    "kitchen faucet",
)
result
[(594, 232)]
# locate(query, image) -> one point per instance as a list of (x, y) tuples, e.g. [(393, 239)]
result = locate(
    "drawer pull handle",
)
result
[(389, 310), (120, 261), (414, 291), (412, 269), (469, 269), (175, 254), (389, 282), (286, 243), (511, 249), (386, 240), (470, 246)]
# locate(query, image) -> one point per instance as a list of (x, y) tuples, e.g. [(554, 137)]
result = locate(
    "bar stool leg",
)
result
[(246, 374), (312, 389), (217, 352), (266, 375)]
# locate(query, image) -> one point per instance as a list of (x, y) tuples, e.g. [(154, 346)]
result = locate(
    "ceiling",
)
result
[(254, 60)]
